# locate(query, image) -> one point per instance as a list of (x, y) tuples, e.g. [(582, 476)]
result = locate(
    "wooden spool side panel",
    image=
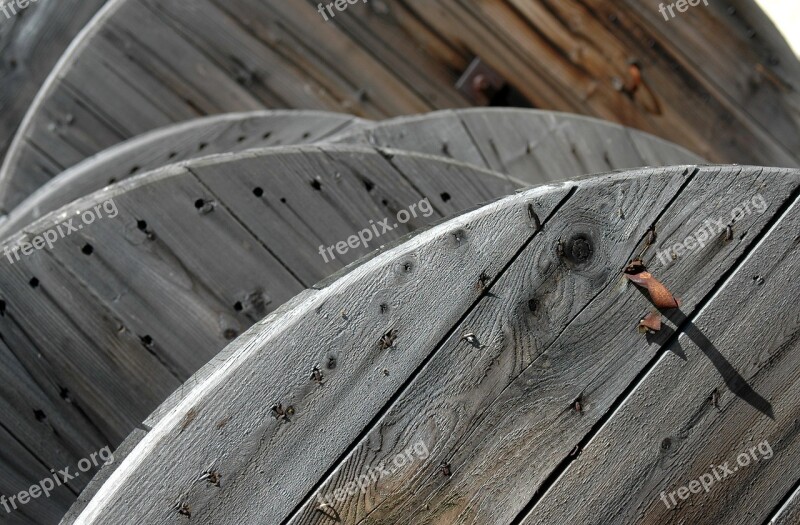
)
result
[(719, 407), (544, 340), (530, 146), (336, 309), (196, 138), (601, 289)]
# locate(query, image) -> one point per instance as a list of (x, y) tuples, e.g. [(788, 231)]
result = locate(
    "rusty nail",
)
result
[(651, 322), (659, 294)]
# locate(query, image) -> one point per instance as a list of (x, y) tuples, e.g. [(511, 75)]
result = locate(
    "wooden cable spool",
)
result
[(100, 328), (140, 65), (532, 146), (31, 42), (503, 341), (188, 140)]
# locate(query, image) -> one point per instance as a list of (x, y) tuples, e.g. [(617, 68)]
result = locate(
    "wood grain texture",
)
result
[(195, 138), (737, 383), (152, 63), (352, 366), (533, 146), (30, 44), (543, 340), (103, 326), (489, 385)]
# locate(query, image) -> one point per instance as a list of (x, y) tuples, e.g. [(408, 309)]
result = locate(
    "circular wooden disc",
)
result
[(227, 133), (489, 369), (145, 281), (532, 145)]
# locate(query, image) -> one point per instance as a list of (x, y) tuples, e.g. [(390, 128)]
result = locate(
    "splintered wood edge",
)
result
[(249, 344), (50, 194)]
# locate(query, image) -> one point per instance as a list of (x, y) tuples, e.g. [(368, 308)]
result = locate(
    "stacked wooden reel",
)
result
[(288, 316)]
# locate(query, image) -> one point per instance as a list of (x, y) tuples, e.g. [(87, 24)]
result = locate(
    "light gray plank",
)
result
[(405, 278), (728, 384)]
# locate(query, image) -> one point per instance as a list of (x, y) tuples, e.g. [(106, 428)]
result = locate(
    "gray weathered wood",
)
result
[(200, 137), (533, 146), (111, 319), (730, 382), (527, 368), (31, 43), (555, 325)]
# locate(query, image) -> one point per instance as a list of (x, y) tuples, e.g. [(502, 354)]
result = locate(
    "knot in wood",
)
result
[(579, 249)]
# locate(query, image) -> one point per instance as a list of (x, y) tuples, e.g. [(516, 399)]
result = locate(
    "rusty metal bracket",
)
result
[(480, 83)]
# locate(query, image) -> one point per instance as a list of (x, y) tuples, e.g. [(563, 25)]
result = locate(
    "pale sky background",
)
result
[(786, 15)]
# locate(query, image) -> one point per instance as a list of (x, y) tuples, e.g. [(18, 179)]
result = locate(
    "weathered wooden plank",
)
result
[(418, 266), (527, 364), (26, 470), (102, 476), (31, 42), (736, 381), (188, 140), (532, 146), (112, 317)]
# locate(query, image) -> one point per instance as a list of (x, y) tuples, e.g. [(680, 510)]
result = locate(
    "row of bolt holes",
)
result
[(201, 147)]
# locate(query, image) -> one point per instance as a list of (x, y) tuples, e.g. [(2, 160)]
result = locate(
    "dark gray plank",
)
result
[(31, 43)]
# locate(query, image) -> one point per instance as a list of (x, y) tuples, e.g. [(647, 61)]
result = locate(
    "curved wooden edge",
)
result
[(243, 354), (229, 411), (532, 145), (32, 43), (179, 276), (50, 83), (174, 144)]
